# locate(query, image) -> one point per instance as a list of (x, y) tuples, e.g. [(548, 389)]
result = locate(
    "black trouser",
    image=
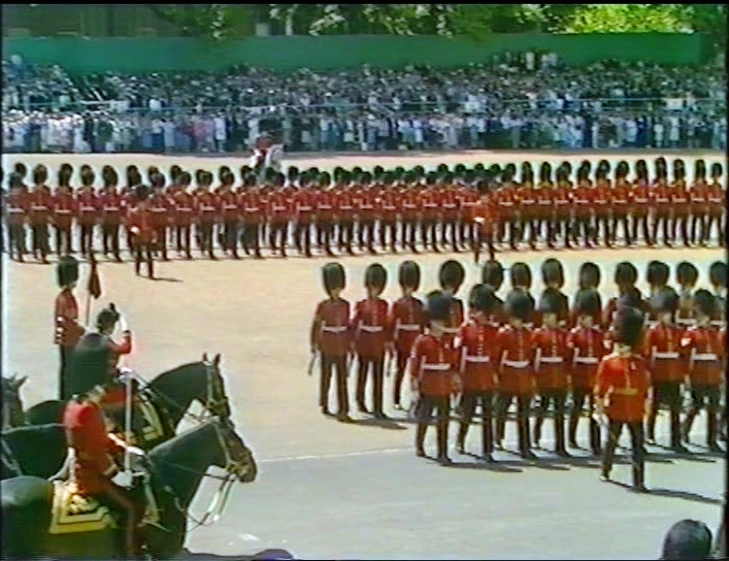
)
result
[(698, 226), (230, 236), (450, 233), (557, 398), (621, 218), (401, 361), (704, 397), (641, 219), (603, 219), (680, 223), (302, 238), (160, 247), (583, 229), (16, 240), (408, 234), (205, 238), (637, 442), (469, 402), (666, 393), (481, 238), (40, 241), (277, 234), (522, 414), (63, 383), (424, 413), (143, 252), (366, 234), (720, 220), (183, 235), (110, 239), (345, 235), (64, 240), (566, 225), (467, 231), (579, 396), (391, 227), (130, 239), (661, 219), (86, 239), (251, 238), (377, 366), (339, 364), (533, 224), (324, 235), (132, 508), (428, 235)]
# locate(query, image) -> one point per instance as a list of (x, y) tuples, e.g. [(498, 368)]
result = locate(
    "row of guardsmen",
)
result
[(396, 208), (514, 350)]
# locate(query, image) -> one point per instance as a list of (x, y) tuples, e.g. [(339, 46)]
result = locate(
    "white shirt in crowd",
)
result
[(631, 130), (157, 126), (154, 104), (220, 133), (673, 131)]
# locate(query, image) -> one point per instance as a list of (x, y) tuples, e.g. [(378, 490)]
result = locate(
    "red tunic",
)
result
[(367, 210), (623, 381), (640, 197), (449, 203), (564, 197), (67, 330), (432, 365), (705, 347), (160, 210), (406, 322), (345, 204), (478, 357), (18, 206), (229, 205), (86, 434), (40, 201), (208, 206), (279, 208), (507, 199), (305, 206), (717, 199), (680, 198), (601, 198), (699, 195), (661, 198), (550, 349), (662, 346), (64, 210), (389, 205), (370, 327), (516, 375), (468, 199), (428, 202), (545, 202), (185, 208), (583, 200), (111, 207), (330, 331), (456, 317), (88, 206), (586, 347), (410, 201), (142, 225), (526, 196), (620, 198), (325, 206), (487, 213)]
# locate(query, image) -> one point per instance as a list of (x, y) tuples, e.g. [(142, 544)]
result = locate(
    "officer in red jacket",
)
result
[(143, 231), (620, 202), (389, 208), (410, 202), (582, 203), (304, 211), (687, 275), (621, 389), (208, 206), (485, 220), (698, 196), (41, 203), (326, 201), (88, 211), (185, 211), (680, 203), (428, 204), (67, 329), (601, 204), (160, 211), (477, 367), (111, 212), (640, 197), (527, 206), (368, 198), (64, 211), (717, 204), (661, 203), (330, 337), (432, 369), (370, 331), (279, 213), (406, 322), (18, 206)]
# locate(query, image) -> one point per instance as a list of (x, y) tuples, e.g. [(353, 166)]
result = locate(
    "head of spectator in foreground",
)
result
[(687, 539)]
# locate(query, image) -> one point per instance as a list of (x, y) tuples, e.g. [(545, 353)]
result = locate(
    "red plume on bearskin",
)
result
[(94, 286)]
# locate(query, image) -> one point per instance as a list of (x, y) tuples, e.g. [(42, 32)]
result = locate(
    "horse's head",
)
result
[(236, 458), (12, 410), (216, 399)]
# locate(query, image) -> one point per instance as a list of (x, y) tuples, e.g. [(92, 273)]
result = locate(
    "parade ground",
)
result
[(329, 490)]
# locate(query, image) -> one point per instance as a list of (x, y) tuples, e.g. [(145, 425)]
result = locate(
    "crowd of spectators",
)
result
[(516, 102)]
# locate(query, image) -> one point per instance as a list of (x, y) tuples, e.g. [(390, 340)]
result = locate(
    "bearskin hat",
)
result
[(553, 272), (110, 176), (141, 192), (375, 276), (64, 177), (107, 317), (431, 178), (482, 299), (66, 270), (418, 171), (716, 170), (717, 274), (622, 170), (40, 174), (250, 180), (292, 173), (459, 169), (705, 302), (631, 298), (664, 301), (686, 274), (679, 169), (658, 273), (641, 169), (518, 305), (451, 275), (87, 177), (550, 301), (184, 179), (520, 275), (628, 326), (175, 172), (409, 275), (660, 167), (333, 277), (589, 275), (625, 274), (492, 274), (437, 306), (699, 169), (526, 170), (587, 302), (20, 169)]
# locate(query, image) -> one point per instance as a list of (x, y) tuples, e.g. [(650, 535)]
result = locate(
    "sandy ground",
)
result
[(329, 490)]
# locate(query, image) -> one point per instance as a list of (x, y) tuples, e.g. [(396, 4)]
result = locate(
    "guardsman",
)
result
[(527, 206), (680, 203), (330, 337), (304, 212), (620, 202), (640, 199), (564, 212), (477, 360), (88, 211), (661, 203), (370, 330), (450, 278), (492, 275), (520, 276), (662, 349), (582, 204), (253, 212), (550, 368), (622, 387), (367, 212), (601, 203), (230, 207), (67, 329), (553, 279), (406, 322), (325, 211), (565, 205), (345, 212), (626, 275), (133, 178), (484, 216), (717, 204), (718, 281), (702, 342), (143, 231), (698, 196), (185, 212), (41, 203), (516, 375), (585, 349), (111, 212), (658, 274), (389, 210), (546, 207), (687, 275), (428, 206), (95, 470), (468, 198), (64, 211), (449, 204), (411, 211), (588, 278), (160, 212), (279, 211), (432, 371), (208, 205)]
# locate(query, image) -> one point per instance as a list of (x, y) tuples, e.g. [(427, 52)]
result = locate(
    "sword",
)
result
[(310, 369)]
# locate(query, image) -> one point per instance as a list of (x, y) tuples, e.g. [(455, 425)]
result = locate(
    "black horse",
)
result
[(12, 409), (33, 450), (177, 467), (161, 404)]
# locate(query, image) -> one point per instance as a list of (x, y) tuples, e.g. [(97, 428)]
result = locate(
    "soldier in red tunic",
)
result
[(304, 210), (432, 370), (410, 202), (160, 209), (626, 275), (553, 280), (406, 322), (718, 281), (550, 357), (698, 195), (208, 206), (143, 231), (279, 212), (428, 203), (717, 204), (231, 213), (527, 206), (111, 209), (449, 208), (451, 277), (621, 390), (95, 468), (67, 329), (657, 276), (582, 203), (662, 349), (88, 211), (325, 211), (369, 327), (477, 359), (640, 198), (484, 216), (589, 279), (41, 202), (620, 202), (367, 196), (185, 211), (516, 375), (585, 349), (679, 203), (601, 204), (687, 275), (18, 206), (344, 201), (492, 275), (703, 345), (330, 337), (545, 211), (389, 209), (468, 198), (520, 276), (133, 178), (661, 203), (63, 212)]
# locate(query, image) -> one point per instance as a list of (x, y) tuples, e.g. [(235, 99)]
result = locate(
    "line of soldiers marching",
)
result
[(514, 350), (394, 209)]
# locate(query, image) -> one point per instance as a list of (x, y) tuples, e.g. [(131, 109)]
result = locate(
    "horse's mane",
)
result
[(189, 436)]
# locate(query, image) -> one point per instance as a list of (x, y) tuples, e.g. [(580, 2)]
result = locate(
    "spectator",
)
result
[(687, 540)]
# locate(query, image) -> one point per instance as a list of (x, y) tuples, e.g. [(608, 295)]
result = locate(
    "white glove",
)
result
[(123, 324), (134, 451), (122, 479)]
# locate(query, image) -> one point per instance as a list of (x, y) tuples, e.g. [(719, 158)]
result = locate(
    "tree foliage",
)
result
[(627, 18), (215, 21)]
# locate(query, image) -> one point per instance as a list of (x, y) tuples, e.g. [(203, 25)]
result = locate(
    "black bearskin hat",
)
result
[(518, 305), (141, 192), (333, 277), (409, 275), (699, 169), (437, 306), (716, 170), (628, 326), (658, 273), (553, 272), (589, 275), (664, 301), (625, 274), (492, 274), (705, 302), (375, 276), (451, 275), (687, 274), (587, 302), (631, 298), (717, 274), (482, 299), (520, 275), (550, 301), (66, 270)]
